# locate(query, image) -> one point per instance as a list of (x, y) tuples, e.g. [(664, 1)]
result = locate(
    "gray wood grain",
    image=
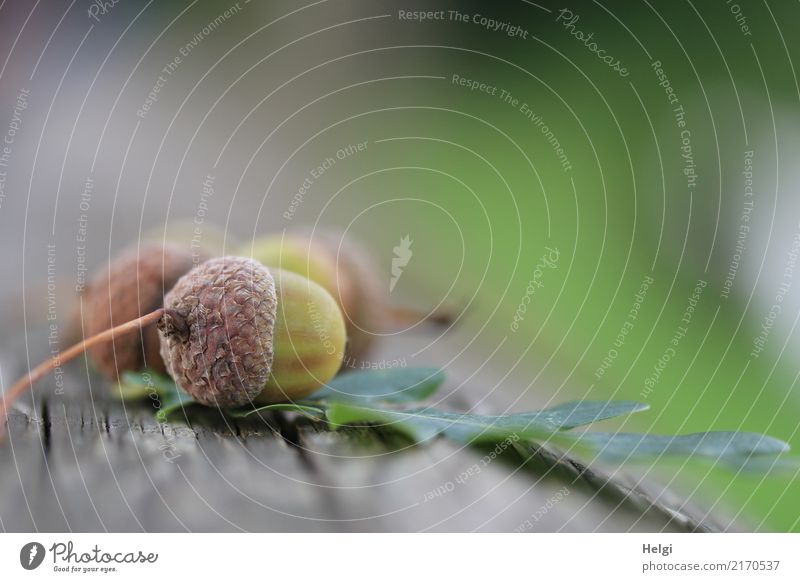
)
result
[(82, 461)]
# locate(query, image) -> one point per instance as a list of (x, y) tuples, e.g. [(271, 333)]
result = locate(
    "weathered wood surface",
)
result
[(82, 461)]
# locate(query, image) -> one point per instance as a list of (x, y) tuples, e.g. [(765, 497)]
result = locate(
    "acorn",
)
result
[(235, 332), (346, 269), (342, 267), (132, 285)]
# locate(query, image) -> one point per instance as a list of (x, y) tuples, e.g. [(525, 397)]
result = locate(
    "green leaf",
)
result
[(423, 424), (173, 400), (355, 398), (396, 385), (736, 447), (418, 427), (551, 426), (583, 412), (167, 397), (140, 385), (314, 412)]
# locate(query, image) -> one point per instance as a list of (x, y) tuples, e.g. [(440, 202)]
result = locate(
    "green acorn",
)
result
[(236, 332)]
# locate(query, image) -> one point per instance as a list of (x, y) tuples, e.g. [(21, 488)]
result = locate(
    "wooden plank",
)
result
[(81, 461)]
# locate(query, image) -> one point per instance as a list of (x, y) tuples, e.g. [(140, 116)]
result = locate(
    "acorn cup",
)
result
[(235, 332)]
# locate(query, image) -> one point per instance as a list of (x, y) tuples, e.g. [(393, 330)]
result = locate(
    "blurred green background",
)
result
[(475, 177)]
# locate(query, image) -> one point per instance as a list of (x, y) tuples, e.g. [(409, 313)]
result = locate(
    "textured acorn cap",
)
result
[(344, 268), (132, 285), (217, 331)]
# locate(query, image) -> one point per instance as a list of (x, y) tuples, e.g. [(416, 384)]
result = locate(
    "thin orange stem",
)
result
[(40, 371)]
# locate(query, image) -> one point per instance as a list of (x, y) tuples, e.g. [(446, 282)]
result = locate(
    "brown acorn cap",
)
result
[(132, 285), (218, 329)]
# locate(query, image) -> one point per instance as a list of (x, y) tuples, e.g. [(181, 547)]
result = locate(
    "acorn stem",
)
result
[(173, 324), (408, 316), (40, 371)]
